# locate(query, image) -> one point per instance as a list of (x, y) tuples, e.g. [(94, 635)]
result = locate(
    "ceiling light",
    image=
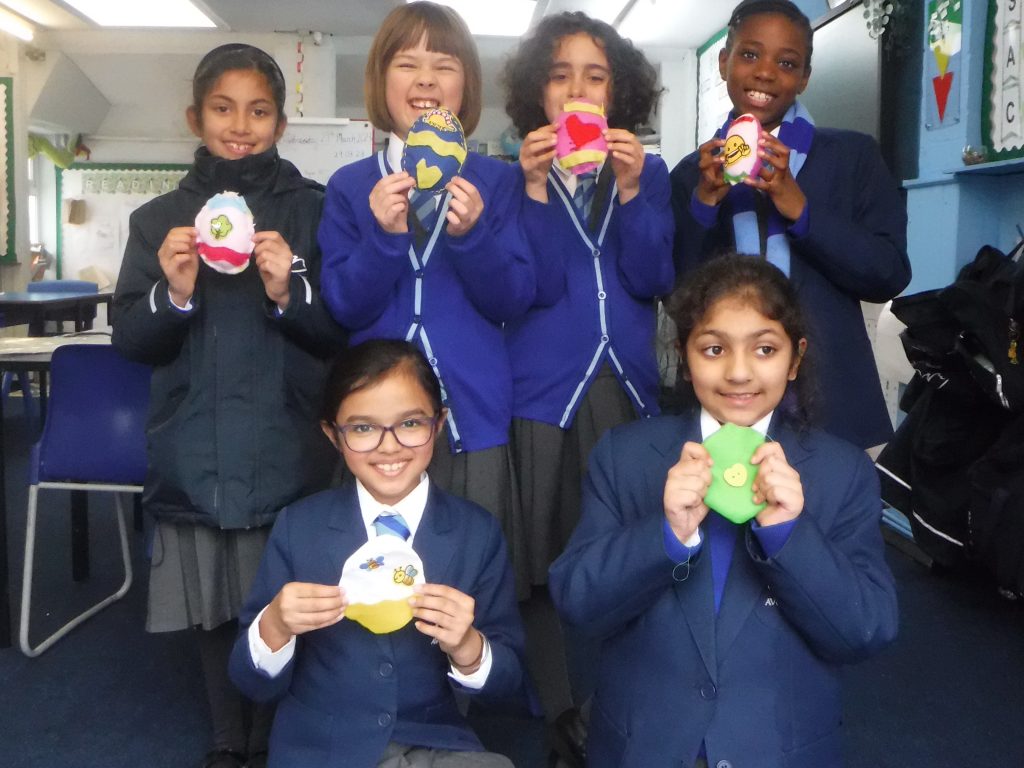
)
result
[(15, 25), (510, 18), (131, 13)]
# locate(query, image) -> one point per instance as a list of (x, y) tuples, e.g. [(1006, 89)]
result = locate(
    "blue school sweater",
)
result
[(449, 295), (596, 297)]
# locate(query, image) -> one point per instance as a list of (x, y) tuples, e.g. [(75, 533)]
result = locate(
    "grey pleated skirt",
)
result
[(488, 478), (200, 576), (551, 463)]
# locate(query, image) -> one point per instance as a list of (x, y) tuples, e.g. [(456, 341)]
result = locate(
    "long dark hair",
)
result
[(634, 83), (760, 285)]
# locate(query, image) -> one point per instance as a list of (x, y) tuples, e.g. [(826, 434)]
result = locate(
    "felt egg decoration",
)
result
[(740, 150), (378, 579), (226, 228), (580, 145), (732, 475), (435, 150)]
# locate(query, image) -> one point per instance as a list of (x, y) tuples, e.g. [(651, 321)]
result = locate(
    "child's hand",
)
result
[(389, 202), (685, 487), (274, 261), (777, 484), (776, 180), (301, 607), (712, 186), (179, 261), (465, 207), (535, 158), (446, 614), (627, 157)]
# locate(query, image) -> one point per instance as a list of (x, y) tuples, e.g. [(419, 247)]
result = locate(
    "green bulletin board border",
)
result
[(129, 167), (10, 255)]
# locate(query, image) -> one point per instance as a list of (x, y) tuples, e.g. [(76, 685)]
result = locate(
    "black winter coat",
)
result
[(233, 432)]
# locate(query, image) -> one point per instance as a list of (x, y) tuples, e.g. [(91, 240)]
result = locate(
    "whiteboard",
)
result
[(320, 146)]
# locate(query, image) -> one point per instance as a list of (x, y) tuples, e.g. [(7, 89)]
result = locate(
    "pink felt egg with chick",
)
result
[(741, 148), (580, 144)]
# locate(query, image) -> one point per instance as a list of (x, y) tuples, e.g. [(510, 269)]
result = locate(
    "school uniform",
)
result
[(849, 246), (345, 693), (753, 682), (450, 296), (586, 347)]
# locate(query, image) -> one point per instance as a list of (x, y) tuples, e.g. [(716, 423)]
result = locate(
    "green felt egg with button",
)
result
[(732, 475)]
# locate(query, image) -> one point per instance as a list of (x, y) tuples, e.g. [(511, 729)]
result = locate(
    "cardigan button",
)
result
[(386, 669), (384, 720), (596, 252), (602, 295), (418, 273), (708, 692), (433, 362), (604, 337), (723, 764)]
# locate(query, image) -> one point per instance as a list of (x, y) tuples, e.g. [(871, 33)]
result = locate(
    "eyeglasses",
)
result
[(410, 433)]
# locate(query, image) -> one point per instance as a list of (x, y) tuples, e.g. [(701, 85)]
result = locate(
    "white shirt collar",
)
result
[(394, 152), (568, 178), (411, 508), (709, 424)]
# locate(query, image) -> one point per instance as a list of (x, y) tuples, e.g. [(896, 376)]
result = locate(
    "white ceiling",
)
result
[(144, 74)]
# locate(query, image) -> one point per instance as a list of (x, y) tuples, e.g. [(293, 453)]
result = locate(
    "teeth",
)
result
[(759, 96), (426, 104), (391, 468)]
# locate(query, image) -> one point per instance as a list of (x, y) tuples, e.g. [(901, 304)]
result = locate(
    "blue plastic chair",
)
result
[(93, 440)]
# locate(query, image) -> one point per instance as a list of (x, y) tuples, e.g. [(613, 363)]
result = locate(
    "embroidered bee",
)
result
[(372, 564), (405, 575)]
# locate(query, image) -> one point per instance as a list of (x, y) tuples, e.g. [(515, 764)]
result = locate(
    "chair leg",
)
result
[(26, 584)]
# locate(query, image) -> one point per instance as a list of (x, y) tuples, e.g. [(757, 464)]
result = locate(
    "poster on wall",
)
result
[(945, 26), (1001, 92), (7, 217)]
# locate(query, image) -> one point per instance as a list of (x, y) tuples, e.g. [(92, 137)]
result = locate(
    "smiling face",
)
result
[(740, 361), (417, 80), (390, 471), (766, 67), (239, 116), (579, 69)]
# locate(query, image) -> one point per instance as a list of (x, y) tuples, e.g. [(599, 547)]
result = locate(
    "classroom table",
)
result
[(21, 307), (23, 355)]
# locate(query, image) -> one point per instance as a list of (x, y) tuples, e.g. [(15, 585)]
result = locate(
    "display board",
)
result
[(7, 217), (94, 202), (320, 146), (1001, 87)]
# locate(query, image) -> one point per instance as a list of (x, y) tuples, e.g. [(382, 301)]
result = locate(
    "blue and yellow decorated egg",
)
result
[(435, 150)]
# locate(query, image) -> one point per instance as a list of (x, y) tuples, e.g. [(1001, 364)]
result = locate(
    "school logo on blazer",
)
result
[(770, 602)]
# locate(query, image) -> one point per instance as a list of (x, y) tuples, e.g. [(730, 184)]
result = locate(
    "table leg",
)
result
[(5, 587), (79, 535)]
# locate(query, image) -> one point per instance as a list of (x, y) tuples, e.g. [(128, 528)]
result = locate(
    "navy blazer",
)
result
[(759, 683), (347, 692), (855, 250)]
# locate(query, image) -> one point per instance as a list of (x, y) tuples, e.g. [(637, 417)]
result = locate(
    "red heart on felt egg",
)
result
[(581, 133)]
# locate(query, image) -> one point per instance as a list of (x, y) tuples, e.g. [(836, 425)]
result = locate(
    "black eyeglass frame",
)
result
[(344, 429)]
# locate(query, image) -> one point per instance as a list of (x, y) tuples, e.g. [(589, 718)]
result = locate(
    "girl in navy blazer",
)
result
[(349, 697), (721, 643)]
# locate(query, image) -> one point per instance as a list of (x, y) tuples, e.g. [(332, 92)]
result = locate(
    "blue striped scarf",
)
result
[(797, 133)]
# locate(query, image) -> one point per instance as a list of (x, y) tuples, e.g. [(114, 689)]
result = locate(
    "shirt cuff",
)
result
[(269, 662), (801, 226), (475, 680), (680, 551), (706, 215), (186, 308), (772, 537)]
